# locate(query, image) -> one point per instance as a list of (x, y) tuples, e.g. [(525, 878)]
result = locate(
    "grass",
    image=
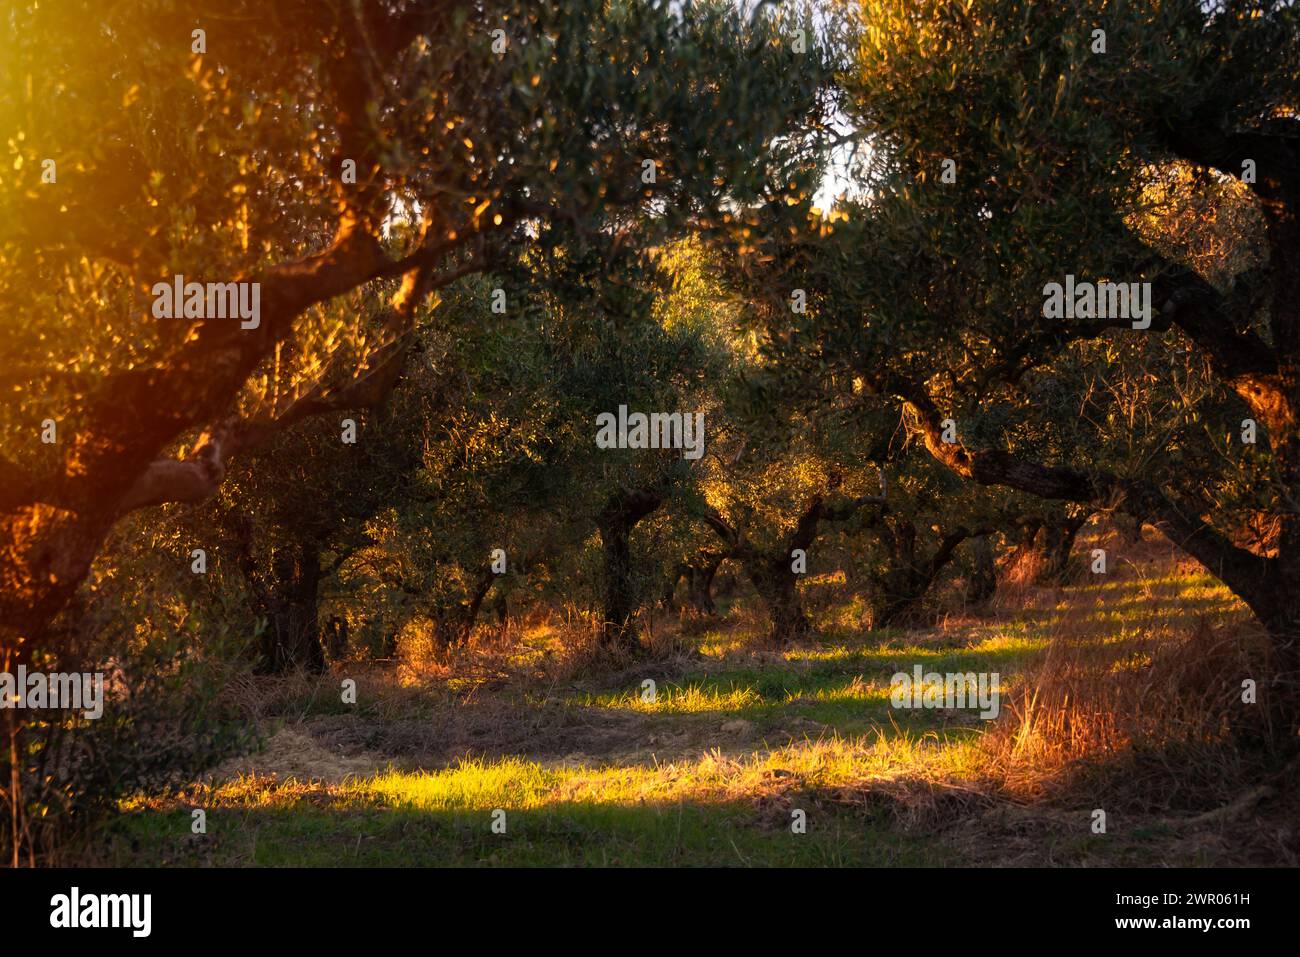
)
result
[(690, 812), (712, 771), (571, 835)]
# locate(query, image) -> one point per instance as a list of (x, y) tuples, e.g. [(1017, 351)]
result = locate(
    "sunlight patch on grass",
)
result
[(671, 699), (856, 690), (508, 782), (516, 783), (513, 783)]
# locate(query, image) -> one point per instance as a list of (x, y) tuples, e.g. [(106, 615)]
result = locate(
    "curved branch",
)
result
[(1244, 572)]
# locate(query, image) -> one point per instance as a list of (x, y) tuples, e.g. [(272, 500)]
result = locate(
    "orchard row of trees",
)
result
[(477, 226)]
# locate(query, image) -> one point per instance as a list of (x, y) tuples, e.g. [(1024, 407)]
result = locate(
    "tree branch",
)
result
[(1244, 572)]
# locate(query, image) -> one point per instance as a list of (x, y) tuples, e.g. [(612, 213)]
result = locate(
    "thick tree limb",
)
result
[(1244, 572), (199, 475)]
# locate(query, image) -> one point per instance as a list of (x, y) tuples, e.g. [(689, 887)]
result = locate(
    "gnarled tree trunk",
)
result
[(1058, 543), (772, 569), (1022, 540), (290, 605), (616, 520), (983, 582), (700, 572), (454, 625), (778, 587), (338, 637), (902, 589)]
